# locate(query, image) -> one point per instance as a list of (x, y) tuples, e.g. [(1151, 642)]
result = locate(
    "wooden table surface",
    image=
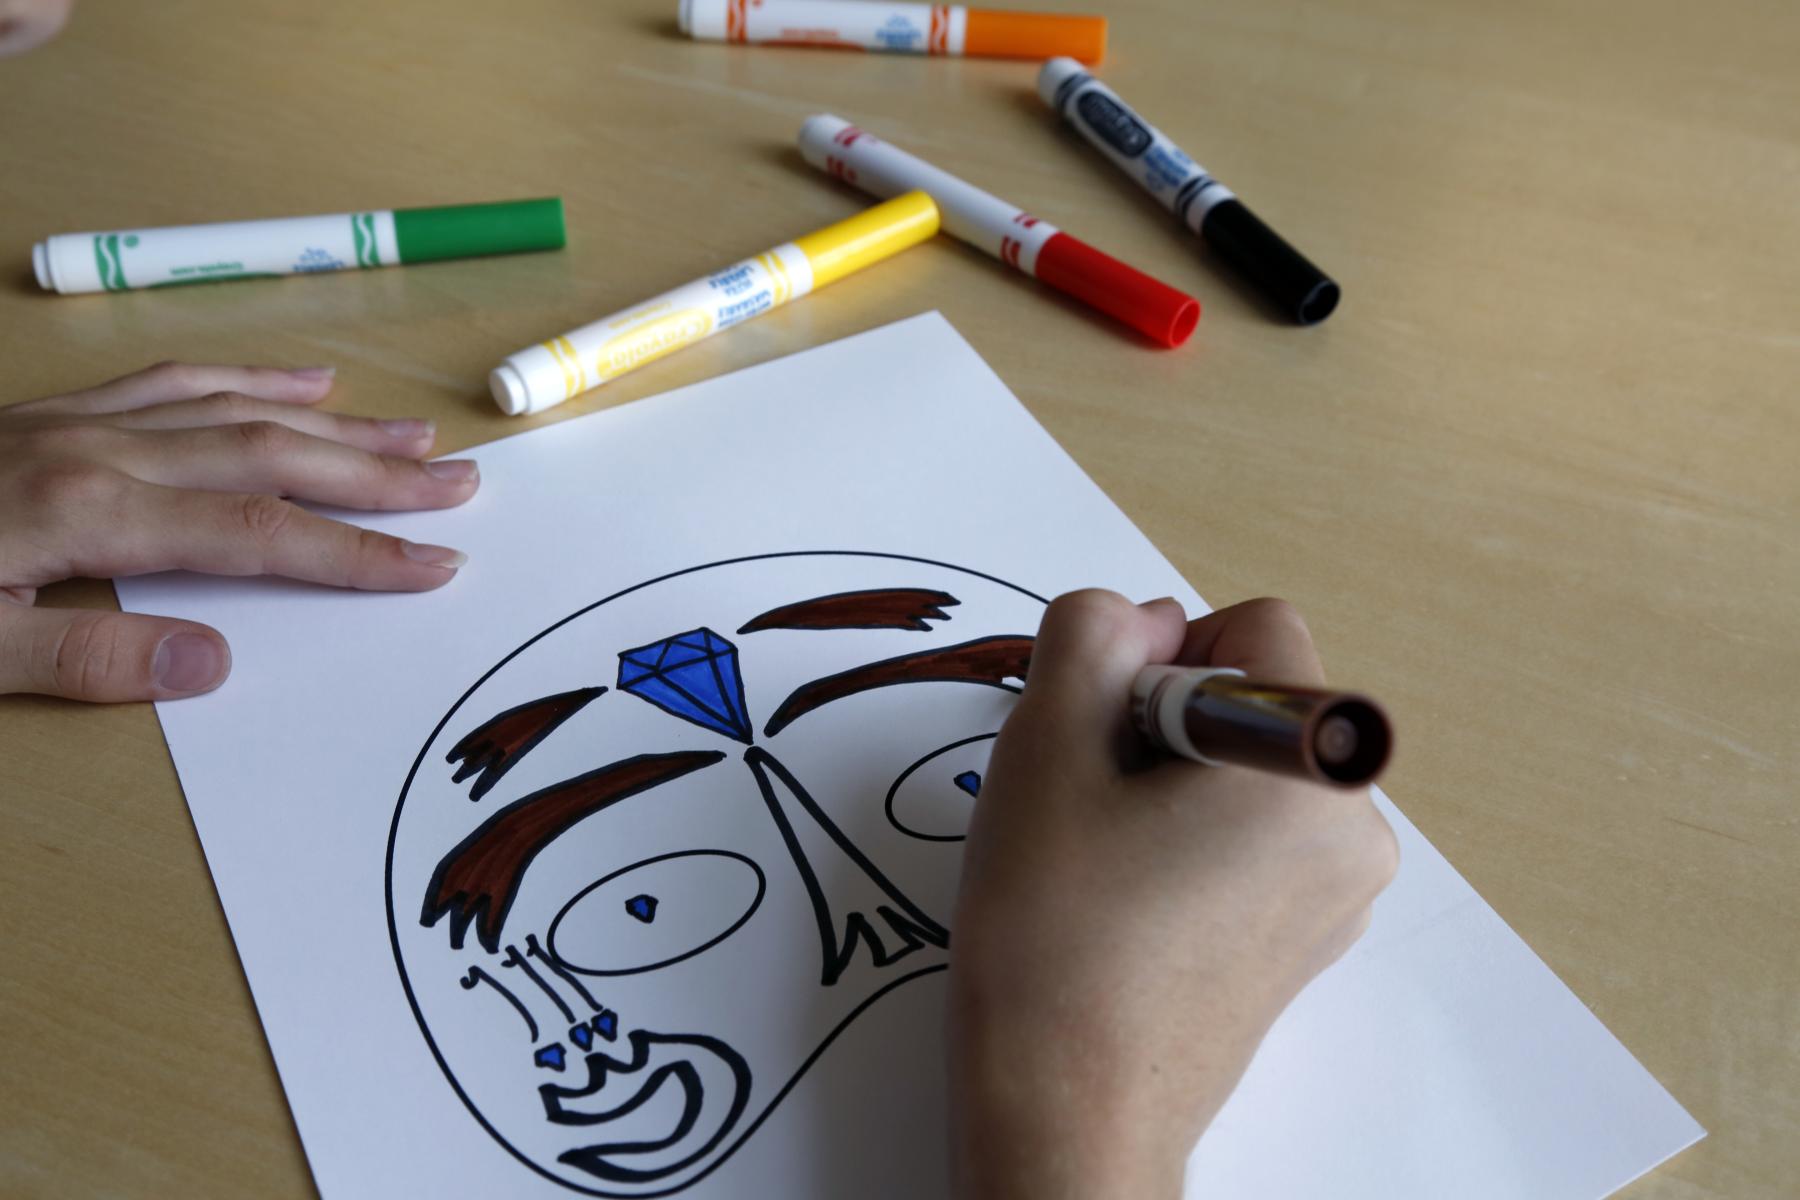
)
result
[(1537, 482)]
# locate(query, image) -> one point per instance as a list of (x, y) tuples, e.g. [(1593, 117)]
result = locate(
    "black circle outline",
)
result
[(762, 886), (894, 790), (394, 833)]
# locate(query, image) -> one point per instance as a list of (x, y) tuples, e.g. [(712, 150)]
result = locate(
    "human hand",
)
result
[(185, 467), (1128, 928), (28, 24)]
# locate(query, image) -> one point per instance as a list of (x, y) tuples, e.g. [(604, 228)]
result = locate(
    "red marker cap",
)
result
[(1156, 310)]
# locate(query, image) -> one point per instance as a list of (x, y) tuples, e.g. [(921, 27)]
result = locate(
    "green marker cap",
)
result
[(470, 230)]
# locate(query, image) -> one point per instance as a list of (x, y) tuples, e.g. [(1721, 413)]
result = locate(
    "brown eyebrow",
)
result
[(878, 608), (478, 879), (989, 661), (496, 745)]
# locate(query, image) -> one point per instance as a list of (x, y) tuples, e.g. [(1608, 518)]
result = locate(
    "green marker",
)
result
[(72, 263)]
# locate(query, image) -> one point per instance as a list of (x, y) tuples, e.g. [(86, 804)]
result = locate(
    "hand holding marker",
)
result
[(148, 258), (895, 28), (1201, 202), (1007, 232)]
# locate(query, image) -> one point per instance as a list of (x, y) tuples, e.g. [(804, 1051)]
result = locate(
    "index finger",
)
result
[(169, 381), (1266, 639), (156, 528)]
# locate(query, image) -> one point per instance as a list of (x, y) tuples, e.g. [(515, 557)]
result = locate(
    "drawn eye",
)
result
[(931, 799), (656, 913)]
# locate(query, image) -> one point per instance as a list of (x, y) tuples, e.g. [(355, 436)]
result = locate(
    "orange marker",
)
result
[(896, 28)]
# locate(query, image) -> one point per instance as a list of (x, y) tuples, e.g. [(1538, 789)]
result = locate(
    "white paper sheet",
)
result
[(1439, 1058)]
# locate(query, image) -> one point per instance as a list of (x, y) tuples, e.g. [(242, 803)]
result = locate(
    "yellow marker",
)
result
[(544, 375)]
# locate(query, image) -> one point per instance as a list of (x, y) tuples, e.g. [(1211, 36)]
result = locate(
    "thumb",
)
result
[(107, 657)]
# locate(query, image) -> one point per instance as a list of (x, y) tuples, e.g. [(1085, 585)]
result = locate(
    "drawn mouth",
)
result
[(698, 1061)]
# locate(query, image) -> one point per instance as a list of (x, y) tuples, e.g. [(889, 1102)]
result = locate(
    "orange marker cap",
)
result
[(994, 34)]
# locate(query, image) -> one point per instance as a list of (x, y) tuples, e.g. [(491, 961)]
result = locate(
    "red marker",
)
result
[(1010, 234)]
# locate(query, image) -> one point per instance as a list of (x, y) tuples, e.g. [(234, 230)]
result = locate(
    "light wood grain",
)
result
[(1537, 482)]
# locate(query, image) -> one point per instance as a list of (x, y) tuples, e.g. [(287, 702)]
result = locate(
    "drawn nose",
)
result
[(864, 908)]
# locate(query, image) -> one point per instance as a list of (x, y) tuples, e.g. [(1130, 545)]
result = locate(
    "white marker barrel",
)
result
[(1185, 188), (895, 28), (1006, 231), (121, 260), (846, 24)]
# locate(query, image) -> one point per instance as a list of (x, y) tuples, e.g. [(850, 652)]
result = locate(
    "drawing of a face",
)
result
[(658, 859)]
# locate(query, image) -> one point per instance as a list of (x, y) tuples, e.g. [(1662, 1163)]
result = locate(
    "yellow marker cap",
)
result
[(868, 237)]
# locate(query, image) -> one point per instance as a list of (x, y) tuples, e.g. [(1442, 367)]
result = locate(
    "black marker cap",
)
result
[(1279, 271)]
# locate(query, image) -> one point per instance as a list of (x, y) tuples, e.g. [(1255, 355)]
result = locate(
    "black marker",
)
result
[(1215, 716), (1198, 200)]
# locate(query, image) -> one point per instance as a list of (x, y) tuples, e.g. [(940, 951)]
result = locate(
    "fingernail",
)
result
[(189, 662), (433, 556), (454, 470), (1160, 600), (407, 427), (313, 374)]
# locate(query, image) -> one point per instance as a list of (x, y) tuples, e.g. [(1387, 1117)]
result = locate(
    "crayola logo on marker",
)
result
[(899, 34), (1122, 131), (651, 341), (316, 258)]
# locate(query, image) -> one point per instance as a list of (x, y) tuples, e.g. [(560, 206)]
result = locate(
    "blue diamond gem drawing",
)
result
[(970, 782), (693, 676)]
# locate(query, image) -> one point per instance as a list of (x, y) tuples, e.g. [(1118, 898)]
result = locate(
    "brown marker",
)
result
[(1215, 716)]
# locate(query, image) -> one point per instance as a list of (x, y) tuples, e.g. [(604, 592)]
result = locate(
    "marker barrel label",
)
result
[(585, 358), (1138, 148), (148, 258), (844, 24), (985, 221)]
